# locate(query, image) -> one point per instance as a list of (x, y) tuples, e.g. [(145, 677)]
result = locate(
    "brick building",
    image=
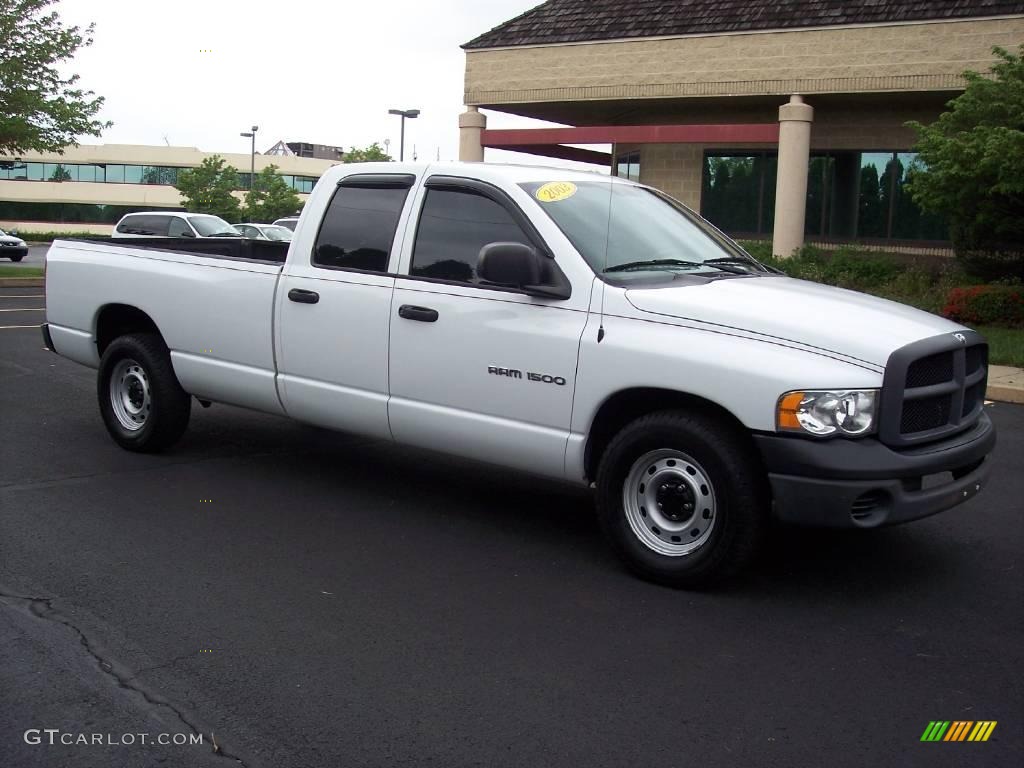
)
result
[(768, 116)]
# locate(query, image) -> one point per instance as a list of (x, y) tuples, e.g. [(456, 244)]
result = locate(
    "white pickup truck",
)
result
[(567, 324)]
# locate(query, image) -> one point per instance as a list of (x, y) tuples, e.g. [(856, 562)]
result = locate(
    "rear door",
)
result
[(479, 370), (334, 303)]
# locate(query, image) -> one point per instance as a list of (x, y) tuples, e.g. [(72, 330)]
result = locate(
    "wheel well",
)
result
[(118, 319), (630, 404)]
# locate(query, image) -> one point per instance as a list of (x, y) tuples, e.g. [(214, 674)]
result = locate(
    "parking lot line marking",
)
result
[(22, 295), (24, 309), (10, 327)]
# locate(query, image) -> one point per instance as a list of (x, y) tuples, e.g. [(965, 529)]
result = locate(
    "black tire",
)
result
[(169, 405), (16, 259), (740, 500)]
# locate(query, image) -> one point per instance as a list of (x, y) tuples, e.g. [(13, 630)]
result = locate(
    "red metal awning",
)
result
[(550, 142)]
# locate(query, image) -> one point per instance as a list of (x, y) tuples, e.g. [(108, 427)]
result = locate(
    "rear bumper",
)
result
[(47, 340), (865, 484)]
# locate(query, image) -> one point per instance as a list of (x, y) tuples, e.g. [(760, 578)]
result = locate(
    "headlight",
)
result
[(821, 413)]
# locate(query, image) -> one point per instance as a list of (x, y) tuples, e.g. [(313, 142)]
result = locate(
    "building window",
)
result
[(69, 213), (738, 194), (628, 166), (164, 175), (850, 195)]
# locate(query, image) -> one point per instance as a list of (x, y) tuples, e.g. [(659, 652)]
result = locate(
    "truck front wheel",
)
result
[(682, 498), (143, 406)]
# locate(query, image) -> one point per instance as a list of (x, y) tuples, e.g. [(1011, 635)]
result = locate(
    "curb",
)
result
[(21, 282), (1005, 394)]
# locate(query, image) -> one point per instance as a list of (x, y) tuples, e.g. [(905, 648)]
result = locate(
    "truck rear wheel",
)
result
[(143, 406), (682, 498)]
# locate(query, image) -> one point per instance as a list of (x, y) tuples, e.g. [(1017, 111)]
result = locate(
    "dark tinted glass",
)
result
[(178, 228), (359, 227), (145, 225), (453, 227)]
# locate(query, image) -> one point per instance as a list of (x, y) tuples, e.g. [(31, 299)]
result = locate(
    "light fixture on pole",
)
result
[(252, 155), (403, 113)]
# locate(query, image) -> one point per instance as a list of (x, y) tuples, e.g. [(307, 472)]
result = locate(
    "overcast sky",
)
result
[(197, 72)]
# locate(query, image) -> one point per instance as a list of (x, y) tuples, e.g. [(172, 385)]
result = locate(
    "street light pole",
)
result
[(252, 155), (403, 113)]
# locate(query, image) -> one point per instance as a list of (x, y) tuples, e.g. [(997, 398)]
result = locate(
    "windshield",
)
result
[(213, 226), (280, 234), (644, 230)]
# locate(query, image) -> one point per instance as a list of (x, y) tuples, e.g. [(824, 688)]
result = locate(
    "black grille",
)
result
[(865, 504), (972, 397), (933, 369), (976, 357), (933, 388), (927, 413)]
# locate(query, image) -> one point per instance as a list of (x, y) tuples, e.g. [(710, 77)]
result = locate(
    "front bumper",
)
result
[(47, 339), (8, 251), (865, 484)]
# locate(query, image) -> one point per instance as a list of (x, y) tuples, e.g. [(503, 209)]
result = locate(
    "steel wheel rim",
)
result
[(669, 502), (130, 397)]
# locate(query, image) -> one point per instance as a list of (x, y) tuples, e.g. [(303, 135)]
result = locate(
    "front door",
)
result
[(480, 371)]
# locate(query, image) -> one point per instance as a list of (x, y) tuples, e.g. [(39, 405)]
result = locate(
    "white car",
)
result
[(288, 222), (12, 247), (177, 224), (265, 232), (576, 326)]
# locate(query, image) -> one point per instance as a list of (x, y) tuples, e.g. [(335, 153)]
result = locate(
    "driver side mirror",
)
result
[(186, 233), (516, 265)]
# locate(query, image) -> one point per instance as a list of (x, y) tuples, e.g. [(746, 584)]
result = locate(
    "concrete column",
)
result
[(471, 126), (795, 120)]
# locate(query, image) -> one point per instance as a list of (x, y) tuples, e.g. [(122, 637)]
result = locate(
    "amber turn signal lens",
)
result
[(786, 414)]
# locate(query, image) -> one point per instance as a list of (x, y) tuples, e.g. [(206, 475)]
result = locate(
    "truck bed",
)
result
[(212, 299), (265, 251)]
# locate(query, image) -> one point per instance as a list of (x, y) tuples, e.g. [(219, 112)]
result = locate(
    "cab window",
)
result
[(359, 227), (454, 225)]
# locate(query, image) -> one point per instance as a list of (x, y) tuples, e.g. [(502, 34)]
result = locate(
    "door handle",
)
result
[(422, 314), (303, 297)]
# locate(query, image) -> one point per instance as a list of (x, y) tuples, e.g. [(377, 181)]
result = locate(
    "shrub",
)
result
[(986, 305)]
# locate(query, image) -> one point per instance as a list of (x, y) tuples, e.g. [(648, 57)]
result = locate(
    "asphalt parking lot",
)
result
[(315, 599)]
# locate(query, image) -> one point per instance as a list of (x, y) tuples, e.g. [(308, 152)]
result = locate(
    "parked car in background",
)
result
[(176, 224), (288, 222), (265, 232), (12, 247)]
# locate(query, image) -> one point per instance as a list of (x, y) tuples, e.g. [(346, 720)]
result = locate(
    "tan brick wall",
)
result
[(674, 169), (905, 57)]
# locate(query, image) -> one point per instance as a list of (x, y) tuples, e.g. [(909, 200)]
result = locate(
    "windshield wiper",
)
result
[(737, 260), (721, 266), (653, 263), (226, 234)]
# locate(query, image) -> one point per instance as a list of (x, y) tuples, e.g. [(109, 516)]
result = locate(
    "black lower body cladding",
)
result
[(864, 483)]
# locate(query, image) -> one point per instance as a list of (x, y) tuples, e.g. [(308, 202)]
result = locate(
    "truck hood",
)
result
[(835, 320)]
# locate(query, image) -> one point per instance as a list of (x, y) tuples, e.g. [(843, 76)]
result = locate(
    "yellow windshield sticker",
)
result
[(554, 191)]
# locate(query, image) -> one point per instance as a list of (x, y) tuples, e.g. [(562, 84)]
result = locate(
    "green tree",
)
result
[(208, 188), (60, 173), (972, 167), (270, 197), (371, 154), (40, 109)]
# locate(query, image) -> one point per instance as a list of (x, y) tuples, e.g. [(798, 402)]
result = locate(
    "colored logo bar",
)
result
[(958, 730)]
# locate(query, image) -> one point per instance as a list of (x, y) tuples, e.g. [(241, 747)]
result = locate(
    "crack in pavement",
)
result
[(43, 608)]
